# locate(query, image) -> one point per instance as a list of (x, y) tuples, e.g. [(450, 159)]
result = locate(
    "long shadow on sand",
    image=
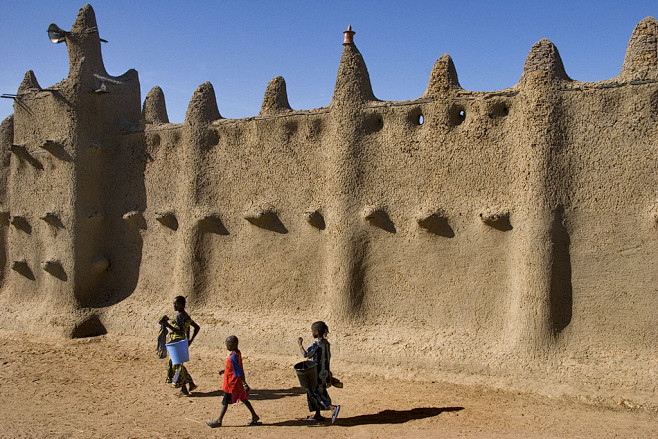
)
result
[(265, 394), (383, 417), (214, 393), (258, 394)]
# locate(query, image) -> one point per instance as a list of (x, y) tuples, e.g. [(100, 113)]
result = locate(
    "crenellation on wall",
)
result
[(544, 57), (443, 78), (275, 100), (29, 83), (512, 231), (641, 60), (203, 106), (154, 110)]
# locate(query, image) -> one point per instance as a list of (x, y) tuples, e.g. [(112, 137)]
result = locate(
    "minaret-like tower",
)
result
[(346, 258), (73, 171)]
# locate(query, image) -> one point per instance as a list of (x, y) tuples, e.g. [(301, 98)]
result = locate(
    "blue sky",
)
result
[(240, 45)]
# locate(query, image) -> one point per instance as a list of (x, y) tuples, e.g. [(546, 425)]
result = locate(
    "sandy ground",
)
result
[(113, 387)]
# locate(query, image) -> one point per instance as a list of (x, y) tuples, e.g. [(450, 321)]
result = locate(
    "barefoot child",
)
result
[(235, 386), (180, 330), (318, 399)]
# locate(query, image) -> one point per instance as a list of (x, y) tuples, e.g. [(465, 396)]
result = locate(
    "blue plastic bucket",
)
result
[(178, 352)]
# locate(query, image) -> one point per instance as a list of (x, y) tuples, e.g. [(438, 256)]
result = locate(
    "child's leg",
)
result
[(254, 416), (181, 379), (183, 391), (185, 377), (222, 412), (314, 404), (218, 422), (171, 371)]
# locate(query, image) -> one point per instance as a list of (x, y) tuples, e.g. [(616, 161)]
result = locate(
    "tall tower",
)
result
[(72, 150)]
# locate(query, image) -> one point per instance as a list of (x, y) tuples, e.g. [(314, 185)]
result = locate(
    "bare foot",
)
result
[(181, 393), (213, 424)]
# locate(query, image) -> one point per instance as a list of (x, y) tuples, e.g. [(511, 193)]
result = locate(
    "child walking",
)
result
[(235, 386), (318, 399), (177, 374)]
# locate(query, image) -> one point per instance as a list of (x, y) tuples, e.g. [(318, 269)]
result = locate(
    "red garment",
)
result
[(233, 376)]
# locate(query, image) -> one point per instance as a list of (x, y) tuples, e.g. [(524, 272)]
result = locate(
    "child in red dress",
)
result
[(235, 386)]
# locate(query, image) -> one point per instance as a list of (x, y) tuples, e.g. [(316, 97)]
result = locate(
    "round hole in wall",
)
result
[(498, 109), (373, 123), (457, 114), (415, 116)]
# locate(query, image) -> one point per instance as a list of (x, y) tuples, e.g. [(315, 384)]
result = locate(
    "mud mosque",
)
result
[(511, 233)]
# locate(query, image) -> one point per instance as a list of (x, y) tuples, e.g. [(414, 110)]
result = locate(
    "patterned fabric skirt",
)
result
[(183, 378), (318, 398)]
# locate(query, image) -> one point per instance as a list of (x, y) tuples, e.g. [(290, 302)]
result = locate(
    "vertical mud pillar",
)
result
[(197, 136), (540, 288), (6, 140), (345, 267), (107, 128)]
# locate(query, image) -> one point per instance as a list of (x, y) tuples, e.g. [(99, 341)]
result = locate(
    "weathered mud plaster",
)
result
[(501, 234)]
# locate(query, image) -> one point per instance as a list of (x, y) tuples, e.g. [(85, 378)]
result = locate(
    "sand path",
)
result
[(112, 387)]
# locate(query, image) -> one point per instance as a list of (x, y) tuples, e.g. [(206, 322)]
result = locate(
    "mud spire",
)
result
[(203, 105), (276, 97), (443, 77), (84, 44), (544, 57), (86, 19), (641, 60), (29, 83), (352, 82), (154, 109)]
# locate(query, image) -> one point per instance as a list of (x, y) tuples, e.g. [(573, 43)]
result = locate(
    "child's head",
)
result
[(179, 303), (319, 329), (232, 343)]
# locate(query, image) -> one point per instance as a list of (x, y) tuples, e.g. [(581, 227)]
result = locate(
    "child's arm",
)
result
[(238, 372), (196, 331), (307, 353), (165, 321)]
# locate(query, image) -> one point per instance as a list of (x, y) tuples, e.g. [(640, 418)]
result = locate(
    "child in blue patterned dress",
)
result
[(318, 399)]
